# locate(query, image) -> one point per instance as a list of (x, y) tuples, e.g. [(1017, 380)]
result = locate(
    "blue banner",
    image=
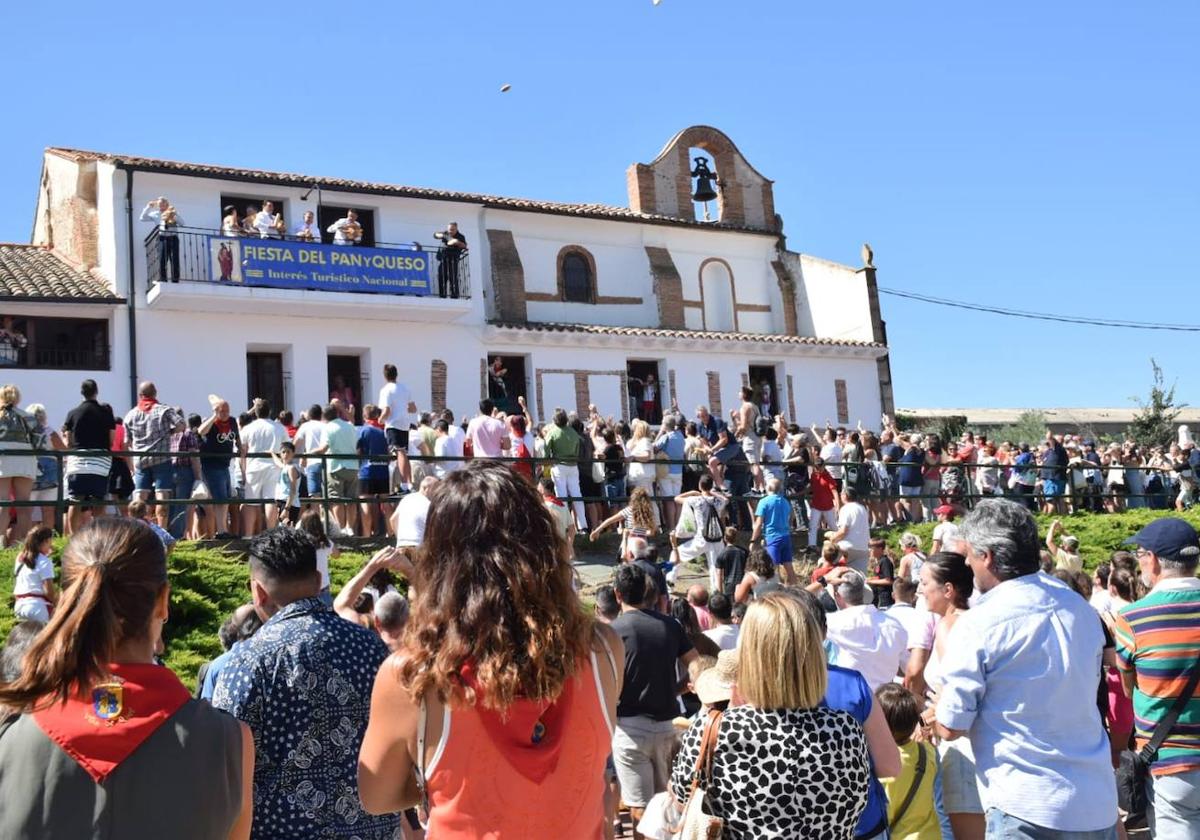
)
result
[(327, 268)]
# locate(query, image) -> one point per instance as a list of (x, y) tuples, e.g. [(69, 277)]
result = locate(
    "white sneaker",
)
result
[(347, 531)]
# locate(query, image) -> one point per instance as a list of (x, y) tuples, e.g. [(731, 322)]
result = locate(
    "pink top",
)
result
[(485, 434)]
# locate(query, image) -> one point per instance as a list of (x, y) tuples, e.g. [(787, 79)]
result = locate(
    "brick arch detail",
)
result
[(732, 291), (594, 293)]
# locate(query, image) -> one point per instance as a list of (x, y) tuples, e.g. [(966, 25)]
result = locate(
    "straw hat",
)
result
[(716, 684)]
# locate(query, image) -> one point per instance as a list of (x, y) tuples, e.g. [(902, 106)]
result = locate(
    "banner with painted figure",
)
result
[(329, 268)]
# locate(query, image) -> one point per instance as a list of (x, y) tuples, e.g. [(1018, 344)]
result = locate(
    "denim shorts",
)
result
[(1051, 488), (217, 479), (312, 479), (1002, 826), (615, 489), (158, 477)]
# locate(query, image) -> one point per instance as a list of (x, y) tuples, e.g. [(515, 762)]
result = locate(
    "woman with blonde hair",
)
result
[(49, 468), (816, 786), (105, 742), (17, 472), (503, 692)]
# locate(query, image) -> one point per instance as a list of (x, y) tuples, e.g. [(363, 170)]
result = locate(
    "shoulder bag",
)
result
[(1134, 771), (696, 824), (907, 802)]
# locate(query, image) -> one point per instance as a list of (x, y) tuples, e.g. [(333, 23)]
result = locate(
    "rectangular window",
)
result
[(327, 214), (264, 379), (247, 208), (55, 343)]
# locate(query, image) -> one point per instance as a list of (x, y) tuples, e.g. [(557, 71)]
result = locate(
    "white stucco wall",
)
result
[(832, 297)]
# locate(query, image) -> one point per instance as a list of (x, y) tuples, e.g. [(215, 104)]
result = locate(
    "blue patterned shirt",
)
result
[(303, 685)]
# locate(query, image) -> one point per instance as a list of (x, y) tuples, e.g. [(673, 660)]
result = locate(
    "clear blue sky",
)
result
[(1038, 155)]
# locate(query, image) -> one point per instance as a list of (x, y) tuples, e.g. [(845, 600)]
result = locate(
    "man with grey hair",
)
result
[(868, 641), (670, 443), (1016, 678), (773, 525), (391, 614), (1158, 651)]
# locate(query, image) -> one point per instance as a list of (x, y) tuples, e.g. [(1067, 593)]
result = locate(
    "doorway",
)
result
[(264, 378), (645, 391), (507, 381), (327, 214), (345, 384), (766, 390)]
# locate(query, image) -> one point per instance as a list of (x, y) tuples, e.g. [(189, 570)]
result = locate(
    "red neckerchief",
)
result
[(223, 426), (146, 403), (105, 725), (291, 431), (529, 733), (551, 500), (375, 423)]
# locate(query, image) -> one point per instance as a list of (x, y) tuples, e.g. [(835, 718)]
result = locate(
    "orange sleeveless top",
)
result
[(488, 779)]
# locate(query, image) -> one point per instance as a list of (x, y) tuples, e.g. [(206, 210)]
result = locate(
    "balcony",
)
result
[(197, 269)]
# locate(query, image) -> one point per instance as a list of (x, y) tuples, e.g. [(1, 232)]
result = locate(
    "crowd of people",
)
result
[(987, 689)]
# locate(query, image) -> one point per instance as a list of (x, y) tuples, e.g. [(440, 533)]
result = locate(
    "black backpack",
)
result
[(761, 424), (712, 530)]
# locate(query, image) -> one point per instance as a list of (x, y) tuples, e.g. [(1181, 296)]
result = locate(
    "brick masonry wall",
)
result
[(843, 405), (714, 393), (508, 277), (583, 395), (437, 384), (787, 289), (668, 288), (791, 400)]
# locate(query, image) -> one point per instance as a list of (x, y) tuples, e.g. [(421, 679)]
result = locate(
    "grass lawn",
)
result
[(207, 584)]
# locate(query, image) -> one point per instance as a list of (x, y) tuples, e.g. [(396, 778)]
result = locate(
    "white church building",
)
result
[(579, 303)]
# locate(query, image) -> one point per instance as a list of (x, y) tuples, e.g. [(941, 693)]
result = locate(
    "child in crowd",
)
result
[(33, 588), (287, 491), (311, 524), (914, 794), (140, 510)]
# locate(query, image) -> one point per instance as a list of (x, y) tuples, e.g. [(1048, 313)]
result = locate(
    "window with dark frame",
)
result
[(576, 278), (243, 203), (56, 344)]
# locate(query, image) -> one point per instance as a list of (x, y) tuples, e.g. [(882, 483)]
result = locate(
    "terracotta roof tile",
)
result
[(36, 273), (591, 211), (656, 332)]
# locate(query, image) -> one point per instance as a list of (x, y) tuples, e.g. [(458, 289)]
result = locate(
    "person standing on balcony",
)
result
[(454, 245), (347, 230), (167, 219), (248, 228), (308, 232), (231, 225), (267, 221)]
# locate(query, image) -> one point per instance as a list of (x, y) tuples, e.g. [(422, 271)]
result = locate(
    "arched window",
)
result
[(576, 277), (716, 290)]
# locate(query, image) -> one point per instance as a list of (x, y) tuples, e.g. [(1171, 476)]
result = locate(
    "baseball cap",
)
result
[(944, 510), (1168, 537)]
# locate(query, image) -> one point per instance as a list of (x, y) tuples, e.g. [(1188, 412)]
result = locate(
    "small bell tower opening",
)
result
[(704, 186)]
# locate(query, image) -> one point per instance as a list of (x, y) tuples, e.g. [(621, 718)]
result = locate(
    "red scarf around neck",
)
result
[(223, 426), (146, 403), (375, 423), (105, 725)]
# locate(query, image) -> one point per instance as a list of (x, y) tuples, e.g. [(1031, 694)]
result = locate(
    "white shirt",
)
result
[(725, 635), (323, 555), (920, 624), (857, 522), (308, 231), (444, 447), (1102, 602), (868, 641), (308, 436), (409, 520), (772, 459), (945, 534), (260, 436), (339, 235), (831, 452), (263, 222), (1021, 680), (30, 581), (456, 434), (396, 396)]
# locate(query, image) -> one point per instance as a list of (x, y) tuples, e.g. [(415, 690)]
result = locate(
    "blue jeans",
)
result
[(1176, 801), (312, 478), (615, 489), (158, 477), (216, 478), (1002, 826)]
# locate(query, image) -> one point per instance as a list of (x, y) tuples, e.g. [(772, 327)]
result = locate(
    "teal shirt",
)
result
[(343, 440)]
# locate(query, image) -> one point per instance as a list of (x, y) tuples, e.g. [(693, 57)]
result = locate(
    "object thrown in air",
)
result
[(868, 256), (505, 88)]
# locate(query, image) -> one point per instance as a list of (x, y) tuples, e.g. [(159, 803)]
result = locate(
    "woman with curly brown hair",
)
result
[(502, 696), (637, 519)]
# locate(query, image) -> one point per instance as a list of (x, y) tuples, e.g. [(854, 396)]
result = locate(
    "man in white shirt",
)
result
[(409, 519), (166, 219), (920, 625), (308, 439), (831, 452), (854, 527), (723, 631), (868, 641), (446, 446), (308, 231), (347, 230), (260, 436), (455, 431), (264, 221), (396, 403), (944, 532), (1033, 646)]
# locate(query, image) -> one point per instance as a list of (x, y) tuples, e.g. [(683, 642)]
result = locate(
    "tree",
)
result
[(1154, 422), (1030, 428)]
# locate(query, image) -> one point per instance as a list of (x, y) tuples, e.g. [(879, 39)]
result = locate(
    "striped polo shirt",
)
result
[(1158, 639)]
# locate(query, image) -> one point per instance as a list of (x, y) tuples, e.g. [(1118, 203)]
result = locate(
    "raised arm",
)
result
[(343, 604)]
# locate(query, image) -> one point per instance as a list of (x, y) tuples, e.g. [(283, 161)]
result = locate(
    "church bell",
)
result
[(704, 178)]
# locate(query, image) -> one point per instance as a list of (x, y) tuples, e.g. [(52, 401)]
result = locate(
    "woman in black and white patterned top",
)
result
[(784, 766)]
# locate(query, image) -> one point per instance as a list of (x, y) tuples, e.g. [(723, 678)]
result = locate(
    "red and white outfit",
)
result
[(29, 589)]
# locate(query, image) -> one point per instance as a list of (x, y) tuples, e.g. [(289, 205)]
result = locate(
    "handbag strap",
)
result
[(918, 775), (1149, 753), (708, 746)]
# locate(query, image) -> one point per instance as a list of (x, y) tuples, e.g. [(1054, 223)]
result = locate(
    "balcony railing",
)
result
[(35, 357), (201, 255)]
